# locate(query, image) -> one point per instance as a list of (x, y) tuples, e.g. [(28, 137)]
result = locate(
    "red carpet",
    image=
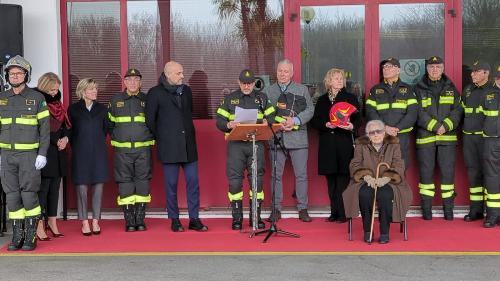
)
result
[(424, 236)]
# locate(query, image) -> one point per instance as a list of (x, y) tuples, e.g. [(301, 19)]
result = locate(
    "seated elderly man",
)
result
[(393, 194)]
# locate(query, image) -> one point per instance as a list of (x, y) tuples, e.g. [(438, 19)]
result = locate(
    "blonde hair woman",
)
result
[(88, 142), (335, 149), (48, 196)]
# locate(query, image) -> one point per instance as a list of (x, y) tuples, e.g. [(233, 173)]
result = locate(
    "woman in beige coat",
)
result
[(393, 193)]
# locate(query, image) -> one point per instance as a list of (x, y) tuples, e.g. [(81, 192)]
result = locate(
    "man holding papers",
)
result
[(244, 106)]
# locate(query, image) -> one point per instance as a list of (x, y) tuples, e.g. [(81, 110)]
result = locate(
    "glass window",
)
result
[(411, 33), (481, 34), (214, 40), (94, 46), (333, 36)]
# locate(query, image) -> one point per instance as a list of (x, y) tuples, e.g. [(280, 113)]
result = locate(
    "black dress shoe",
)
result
[(473, 217), (176, 226), (366, 237), (384, 239), (196, 224), (236, 224), (331, 218)]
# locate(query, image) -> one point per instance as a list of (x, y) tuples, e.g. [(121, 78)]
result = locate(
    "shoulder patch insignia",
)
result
[(449, 93), (490, 97), (235, 101), (120, 104), (403, 90), (30, 102), (379, 91), (4, 101)]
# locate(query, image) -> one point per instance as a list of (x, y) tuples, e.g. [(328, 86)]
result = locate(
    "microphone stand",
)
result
[(273, 228)]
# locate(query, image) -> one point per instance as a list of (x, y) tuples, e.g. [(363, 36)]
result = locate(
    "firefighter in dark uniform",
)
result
[(496, 76), (472, 129), (490, 107), (131, 141), (24, 140), (439, 114), (239, 153), (394, 102)]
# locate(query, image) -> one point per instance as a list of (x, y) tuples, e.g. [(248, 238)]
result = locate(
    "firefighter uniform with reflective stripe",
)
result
[(396, 105), (490, 108), (439, 106), (472, 129), (131, 141), (24, 135), (239, 153)]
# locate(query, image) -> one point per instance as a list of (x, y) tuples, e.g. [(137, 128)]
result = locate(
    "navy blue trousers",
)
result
[(171, 175)]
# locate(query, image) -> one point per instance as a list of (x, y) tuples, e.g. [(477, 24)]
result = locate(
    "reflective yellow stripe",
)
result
[(144, 143), (371, 103), (493, 204), (260, 116), (143, 199), (33, 212), (125, 201), (447, 194), (479, 109), (123, 119), (472, 133), (268, 111), (111, 117), (490, 113), (426, 186), (27, 121), (407, 130), (446, 138), (476, 189), (446, 100), (231, 117), (43, 114), (427, 192), (495, 196), (411, 101), (426, 140), (235, 197), (223, 112), (476, 197), (431, 124), (260, 195), (5, 145), (6, 121), (399, 105), (447, 186), (383, 106), (26, 145), (468, 110), (17, 215), (426, 102), (121, 144), (449, 123), (140, 119), (279, 119)]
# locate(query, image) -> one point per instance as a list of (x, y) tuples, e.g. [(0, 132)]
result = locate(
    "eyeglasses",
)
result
[(389, 66), (12, 74), (375, 132)]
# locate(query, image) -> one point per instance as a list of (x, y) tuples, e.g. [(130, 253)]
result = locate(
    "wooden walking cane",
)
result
[(375, 198)]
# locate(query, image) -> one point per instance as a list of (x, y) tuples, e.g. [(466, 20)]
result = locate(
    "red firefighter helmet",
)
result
[(340, 113)]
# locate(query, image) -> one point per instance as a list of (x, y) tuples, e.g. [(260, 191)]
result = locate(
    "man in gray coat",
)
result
[(294, 108)]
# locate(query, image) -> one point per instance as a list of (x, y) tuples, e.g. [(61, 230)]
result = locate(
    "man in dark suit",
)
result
[(169, 109)]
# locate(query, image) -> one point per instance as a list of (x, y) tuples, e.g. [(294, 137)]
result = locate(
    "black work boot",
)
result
[(237, 215), (476, 211), (129, 215), (17, 235), (260, 223), (426, 207), (448, 205), (30, 224), (492, 217), (140, 215)]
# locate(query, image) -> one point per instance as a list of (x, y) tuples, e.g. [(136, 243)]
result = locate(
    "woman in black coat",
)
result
[(48, 86), (335, 143), (88, 142)]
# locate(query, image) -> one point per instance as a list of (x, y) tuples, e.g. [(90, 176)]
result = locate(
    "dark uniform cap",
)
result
[(246, 76), (479, 65), (133, 72), (434, 60), (392, 61), (496, 72)]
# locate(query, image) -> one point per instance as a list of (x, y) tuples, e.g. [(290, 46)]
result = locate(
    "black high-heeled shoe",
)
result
[(56, 235), (43, 239)]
